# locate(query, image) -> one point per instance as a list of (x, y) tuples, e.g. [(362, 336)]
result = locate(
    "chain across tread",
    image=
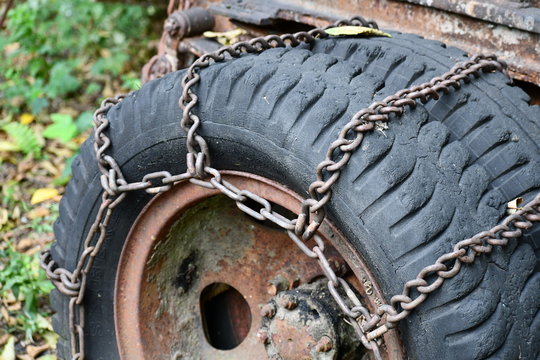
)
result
[(370, 327)]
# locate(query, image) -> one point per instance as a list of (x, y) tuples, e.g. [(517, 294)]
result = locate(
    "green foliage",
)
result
[(63, 128), (131, 83), (21, 277), (57, 57), (50, 46), (85, 121), (9, 189), (23, 138)]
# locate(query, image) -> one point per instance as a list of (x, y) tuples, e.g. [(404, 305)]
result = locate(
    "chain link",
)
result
[(369, 327)]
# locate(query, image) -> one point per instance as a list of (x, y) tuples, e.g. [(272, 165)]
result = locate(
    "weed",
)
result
[(22, 281)]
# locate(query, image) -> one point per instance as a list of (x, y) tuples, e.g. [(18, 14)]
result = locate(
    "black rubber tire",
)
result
[(439, 174)]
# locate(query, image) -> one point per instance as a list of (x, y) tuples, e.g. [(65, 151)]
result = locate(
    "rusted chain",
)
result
[(369, 327)]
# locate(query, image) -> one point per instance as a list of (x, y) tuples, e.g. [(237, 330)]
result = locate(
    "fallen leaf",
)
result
[(43, 194), (24, 357), (47, 357), (8, 319), (47, 165), (81, 138), (43, 322), (17, 101), (25, 244), (225, 38), (355, 31), (513, 205), (105, 52), (51, 338), (108, 91), (34, 250), (4, 313), (15, 307), (3, 337), (38, 212), (25, 166), (16, 213), (4, 216), (35, 350), (26, 118), (8, 353), (8, 146), (9, 298), (69, 110)]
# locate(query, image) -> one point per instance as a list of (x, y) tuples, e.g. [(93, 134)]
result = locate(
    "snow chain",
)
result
[(369, 326)]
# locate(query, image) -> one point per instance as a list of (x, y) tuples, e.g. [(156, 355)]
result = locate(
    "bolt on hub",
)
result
[(306, 323)]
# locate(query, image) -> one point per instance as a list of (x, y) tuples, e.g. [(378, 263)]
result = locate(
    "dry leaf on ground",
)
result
[(43, 194), (8, 352)]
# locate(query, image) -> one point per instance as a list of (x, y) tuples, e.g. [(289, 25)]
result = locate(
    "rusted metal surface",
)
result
[(531, 89), (197, 46), (515, 39), (306, 324), (226, 316), (523, 15), (186, 240), (172, 54)]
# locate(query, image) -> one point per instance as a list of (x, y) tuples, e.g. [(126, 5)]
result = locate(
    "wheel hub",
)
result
[(306, 323), (195, 273)]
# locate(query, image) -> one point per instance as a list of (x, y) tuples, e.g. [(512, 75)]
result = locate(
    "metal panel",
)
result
[(520, 48)]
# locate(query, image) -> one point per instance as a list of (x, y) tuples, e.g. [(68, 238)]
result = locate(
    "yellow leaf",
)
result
[(225, 38), (43, 194), (513, 205), (8, 353), (51, 338), (26, 118), (8, 146), (355, 30)]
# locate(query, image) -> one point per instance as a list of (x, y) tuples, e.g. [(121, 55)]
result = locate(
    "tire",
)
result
[(439, 174)]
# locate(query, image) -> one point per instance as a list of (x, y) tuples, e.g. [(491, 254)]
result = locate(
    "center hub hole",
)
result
[(225, 315)]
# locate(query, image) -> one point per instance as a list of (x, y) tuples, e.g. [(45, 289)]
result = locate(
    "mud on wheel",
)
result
[(186, 275)]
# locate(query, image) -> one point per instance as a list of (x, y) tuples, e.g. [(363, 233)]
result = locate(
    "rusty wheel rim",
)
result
[(191, 255)]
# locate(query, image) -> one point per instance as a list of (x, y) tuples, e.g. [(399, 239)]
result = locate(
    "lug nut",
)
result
[(268, 311), (289, 302), (324, 344), (262, 336), (276, 285)]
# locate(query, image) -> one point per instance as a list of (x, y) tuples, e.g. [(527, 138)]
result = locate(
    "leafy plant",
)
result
[(24, 139), (84, 121), (21, 278), (50, 46), (58, 59), (63, 128)]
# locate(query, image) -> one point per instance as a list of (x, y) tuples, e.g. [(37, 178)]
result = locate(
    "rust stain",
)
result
[(187, 239)]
